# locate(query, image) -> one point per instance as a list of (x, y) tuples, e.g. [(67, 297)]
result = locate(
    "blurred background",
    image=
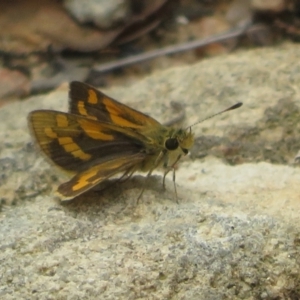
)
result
[(44, 43)]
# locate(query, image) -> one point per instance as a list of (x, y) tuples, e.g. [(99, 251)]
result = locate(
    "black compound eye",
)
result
[(171, 144), (185, 151)]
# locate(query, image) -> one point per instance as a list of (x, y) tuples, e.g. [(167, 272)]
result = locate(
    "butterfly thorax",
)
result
[(166, 146)]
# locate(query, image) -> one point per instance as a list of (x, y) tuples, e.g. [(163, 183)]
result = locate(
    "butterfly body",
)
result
[(100, 137)]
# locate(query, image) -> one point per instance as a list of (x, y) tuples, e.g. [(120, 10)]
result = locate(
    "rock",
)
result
[(105, 14), (12, 83), (269, 5), (234, 233)]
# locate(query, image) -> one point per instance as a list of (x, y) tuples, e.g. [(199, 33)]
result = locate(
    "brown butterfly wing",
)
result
[(75, 143), (87, 101), (98, 173)]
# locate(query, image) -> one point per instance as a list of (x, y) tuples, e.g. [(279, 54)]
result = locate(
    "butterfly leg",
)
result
[(168, 169), (144, 187), (164, 178), (126, 175), (174, 180), (157, 162)]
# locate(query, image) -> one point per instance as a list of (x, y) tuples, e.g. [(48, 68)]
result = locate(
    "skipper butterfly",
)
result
[(100, 138)]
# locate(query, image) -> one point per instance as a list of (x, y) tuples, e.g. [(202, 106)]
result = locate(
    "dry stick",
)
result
[(169, 50)]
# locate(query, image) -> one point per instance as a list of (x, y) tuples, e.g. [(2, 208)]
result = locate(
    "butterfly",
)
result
[(100, 138)]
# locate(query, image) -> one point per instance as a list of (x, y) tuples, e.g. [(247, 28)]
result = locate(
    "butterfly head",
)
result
[(183, 139), (180, 139)]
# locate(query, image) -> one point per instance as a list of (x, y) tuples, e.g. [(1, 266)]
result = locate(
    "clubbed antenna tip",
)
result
[(237, 105)]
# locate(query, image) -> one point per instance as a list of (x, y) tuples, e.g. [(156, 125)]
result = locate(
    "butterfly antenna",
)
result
[(235, 106)]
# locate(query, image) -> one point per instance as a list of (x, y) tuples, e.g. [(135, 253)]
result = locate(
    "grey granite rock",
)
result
[(234, 233), (102, 13)]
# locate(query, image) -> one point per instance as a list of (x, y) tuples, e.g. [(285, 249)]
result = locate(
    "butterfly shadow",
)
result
[(116, 193)]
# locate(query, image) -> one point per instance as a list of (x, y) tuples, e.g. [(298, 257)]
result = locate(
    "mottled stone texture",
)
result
[(234, 233)]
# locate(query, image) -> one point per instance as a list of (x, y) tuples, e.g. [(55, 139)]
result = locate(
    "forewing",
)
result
[(93, 176), (75, 143), (91, 103)]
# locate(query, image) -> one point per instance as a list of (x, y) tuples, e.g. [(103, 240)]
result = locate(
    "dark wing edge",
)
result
[(97, 174), (87, 101)]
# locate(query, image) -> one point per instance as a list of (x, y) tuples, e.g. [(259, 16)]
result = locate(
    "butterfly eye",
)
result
[(185, 151), (171, 144)]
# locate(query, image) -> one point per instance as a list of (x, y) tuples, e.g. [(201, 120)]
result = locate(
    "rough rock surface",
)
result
[(103, 13), (234, 233)]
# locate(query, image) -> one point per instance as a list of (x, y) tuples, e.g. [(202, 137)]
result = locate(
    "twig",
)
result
[(169, 50)]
